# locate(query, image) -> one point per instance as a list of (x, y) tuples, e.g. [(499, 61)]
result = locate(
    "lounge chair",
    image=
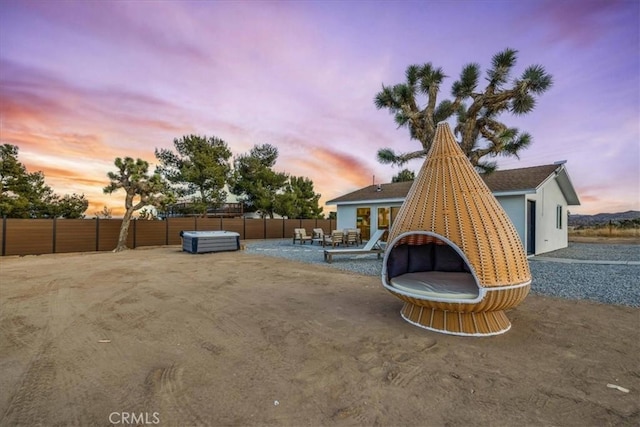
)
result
[(301, 235), (453, 255), (372, 247)]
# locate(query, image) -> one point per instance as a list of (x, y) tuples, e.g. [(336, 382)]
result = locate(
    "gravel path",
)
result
[(609, 284)]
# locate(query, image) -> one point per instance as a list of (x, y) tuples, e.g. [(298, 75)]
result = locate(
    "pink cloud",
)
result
[(120, 22), (583, 22)]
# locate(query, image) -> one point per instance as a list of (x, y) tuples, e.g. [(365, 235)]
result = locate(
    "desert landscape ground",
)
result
[(239, 339), (618, 240)]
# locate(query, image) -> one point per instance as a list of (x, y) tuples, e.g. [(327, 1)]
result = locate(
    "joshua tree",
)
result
[(132, 176), (478, 124)]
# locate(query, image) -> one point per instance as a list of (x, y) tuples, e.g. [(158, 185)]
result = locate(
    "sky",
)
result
[(84, 82)]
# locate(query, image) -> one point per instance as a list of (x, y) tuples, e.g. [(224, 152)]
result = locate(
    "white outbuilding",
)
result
[(535, 198)]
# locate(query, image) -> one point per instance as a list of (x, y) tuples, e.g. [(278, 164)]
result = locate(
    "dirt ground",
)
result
[(605, 240), (162, 337)]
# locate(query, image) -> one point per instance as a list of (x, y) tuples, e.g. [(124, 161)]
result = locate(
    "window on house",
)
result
[(559, 217)]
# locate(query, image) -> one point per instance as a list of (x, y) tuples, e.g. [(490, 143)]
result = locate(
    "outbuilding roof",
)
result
[(501, 182)]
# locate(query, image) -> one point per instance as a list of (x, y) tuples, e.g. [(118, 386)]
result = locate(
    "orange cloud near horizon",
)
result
[(333, 173)]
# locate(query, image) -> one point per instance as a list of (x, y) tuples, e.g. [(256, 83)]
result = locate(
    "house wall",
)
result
[(346, 216), (516, 209), (514, 206), (548, 237)]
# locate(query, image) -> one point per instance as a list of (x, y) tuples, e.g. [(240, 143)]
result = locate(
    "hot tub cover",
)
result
[(210, 241)]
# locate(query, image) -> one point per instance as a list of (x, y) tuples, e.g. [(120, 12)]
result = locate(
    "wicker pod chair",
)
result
[(453, 255)]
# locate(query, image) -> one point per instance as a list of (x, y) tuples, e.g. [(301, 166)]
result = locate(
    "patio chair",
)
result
[(301, 235), (334, 239), (317, 236), (372, 247), (453, 255), (351, 237)]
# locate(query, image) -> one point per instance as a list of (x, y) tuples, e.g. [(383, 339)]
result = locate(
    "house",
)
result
[(535, 198)]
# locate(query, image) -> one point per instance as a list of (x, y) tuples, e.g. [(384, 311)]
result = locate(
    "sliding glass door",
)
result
[(363, 222)]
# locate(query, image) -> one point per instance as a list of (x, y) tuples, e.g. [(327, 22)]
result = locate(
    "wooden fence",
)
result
[(46, 236)]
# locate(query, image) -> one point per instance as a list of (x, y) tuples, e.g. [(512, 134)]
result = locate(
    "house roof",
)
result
[(500, 182)]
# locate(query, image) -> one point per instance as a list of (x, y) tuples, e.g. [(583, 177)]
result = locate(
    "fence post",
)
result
[(135, 232), (97, 234), (4, 234), (54, 235), (166, 231)]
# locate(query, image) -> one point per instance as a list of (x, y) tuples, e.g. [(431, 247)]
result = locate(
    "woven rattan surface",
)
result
[(498, 300), (449, 198), (456, 323)]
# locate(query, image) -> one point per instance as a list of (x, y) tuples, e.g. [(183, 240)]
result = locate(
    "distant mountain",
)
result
[(602, 218)]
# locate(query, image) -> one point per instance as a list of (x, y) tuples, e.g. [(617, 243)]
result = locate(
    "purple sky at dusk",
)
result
[(83, 82)]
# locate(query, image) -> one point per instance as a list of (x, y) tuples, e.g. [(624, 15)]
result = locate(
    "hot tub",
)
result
[(197, 242)]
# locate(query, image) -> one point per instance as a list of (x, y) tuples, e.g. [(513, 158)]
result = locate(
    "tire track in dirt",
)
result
[(380, 362), (164, 390), (13, 327), (52, 373), (36, 382), (48, 376), (161, 390)]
